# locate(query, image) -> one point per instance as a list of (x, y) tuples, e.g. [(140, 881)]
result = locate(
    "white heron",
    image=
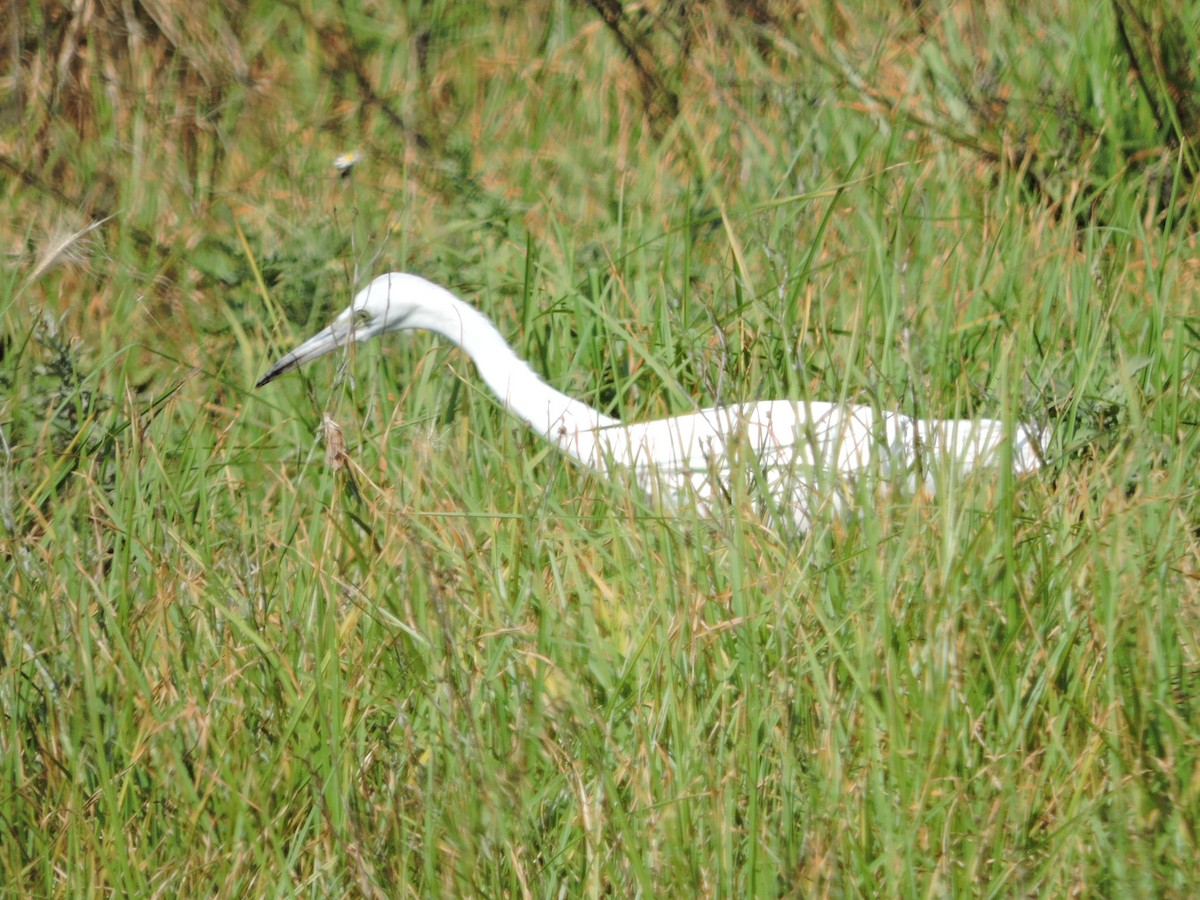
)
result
[(801, 454)]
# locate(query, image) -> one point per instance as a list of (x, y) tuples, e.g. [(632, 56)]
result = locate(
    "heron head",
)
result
[(392, 302)]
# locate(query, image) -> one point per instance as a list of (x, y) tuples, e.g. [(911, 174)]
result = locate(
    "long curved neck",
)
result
[(562, 420)]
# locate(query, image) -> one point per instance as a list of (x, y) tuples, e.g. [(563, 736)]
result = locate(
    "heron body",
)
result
[(802, 455)]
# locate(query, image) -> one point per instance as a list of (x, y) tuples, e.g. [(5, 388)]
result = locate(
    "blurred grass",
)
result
[(454, 664)]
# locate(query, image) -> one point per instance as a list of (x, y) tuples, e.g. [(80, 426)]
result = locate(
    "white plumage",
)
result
[(799, 454)]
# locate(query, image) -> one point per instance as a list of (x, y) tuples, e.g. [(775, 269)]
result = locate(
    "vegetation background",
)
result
[(357, 632)]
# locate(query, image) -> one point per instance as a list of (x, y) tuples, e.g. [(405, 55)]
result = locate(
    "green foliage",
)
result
[(358, 632)]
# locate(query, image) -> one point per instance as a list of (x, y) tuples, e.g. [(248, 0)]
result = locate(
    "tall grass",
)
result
[(358, 632)]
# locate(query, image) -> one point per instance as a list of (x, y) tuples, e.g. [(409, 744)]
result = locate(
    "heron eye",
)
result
[(361, 317)]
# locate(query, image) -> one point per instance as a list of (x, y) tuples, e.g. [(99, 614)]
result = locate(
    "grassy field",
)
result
[(358, 632)]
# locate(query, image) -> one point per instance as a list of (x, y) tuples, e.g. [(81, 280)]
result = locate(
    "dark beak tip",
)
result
[(281, 367)]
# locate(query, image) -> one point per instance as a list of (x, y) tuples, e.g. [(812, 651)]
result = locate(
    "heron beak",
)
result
[(318, 345)]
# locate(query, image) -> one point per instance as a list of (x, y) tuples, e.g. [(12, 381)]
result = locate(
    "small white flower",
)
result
[(346, 161)]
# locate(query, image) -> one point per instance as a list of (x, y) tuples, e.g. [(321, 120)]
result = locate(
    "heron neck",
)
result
[(562, 420)]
